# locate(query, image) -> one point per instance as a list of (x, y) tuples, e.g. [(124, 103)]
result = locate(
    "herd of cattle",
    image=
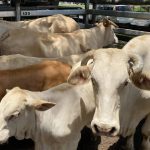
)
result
[(56, 78)]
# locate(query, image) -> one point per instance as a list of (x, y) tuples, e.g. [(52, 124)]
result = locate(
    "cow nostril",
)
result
[(96, 128), (112, 130)]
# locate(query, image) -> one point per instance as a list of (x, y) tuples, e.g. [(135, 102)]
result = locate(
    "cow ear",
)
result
[(106, 22), (42, 105), (79, 75)]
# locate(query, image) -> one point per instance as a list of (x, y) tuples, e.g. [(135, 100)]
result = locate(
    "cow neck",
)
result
[(98, 35), (86, 102)]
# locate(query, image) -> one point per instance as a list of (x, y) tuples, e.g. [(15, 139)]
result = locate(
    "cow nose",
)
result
[(109, 131)]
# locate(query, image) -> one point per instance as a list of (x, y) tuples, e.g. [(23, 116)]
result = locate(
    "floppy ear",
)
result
[(41, 105), (79, 75)]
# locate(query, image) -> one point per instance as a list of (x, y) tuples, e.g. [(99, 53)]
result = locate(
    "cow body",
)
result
[(18, 61), (55, 129), (56, 45), (37, 77), (51, 24)]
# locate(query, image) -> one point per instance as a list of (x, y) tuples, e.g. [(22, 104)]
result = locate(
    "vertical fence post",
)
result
[(18, 10), (86, 18), (94, 16)]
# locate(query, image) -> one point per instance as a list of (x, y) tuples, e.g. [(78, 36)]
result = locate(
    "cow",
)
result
[(57, 128), (31, 43), (36, 77), (120, 106), (18, 61), (51, 24)]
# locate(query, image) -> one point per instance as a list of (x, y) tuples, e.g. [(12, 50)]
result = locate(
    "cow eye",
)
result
[(125, 83)]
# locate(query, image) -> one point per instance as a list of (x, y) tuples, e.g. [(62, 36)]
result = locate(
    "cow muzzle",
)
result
[(104, 129)]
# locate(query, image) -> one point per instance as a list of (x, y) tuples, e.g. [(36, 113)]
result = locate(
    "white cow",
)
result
[(51, 24), (120, 106), (55, 129), (26, 42)]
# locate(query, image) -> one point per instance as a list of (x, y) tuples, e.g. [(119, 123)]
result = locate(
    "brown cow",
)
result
[(37, 77)]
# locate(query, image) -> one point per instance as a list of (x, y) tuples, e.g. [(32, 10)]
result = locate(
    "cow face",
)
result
[(109, 75), (17, 117), (107, 28)]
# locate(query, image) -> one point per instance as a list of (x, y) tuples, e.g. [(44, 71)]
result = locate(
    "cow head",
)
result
[(109, 75), (17, 117), (107, 27)]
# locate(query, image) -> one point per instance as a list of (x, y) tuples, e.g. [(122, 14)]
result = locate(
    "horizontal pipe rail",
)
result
[(26, 13), (130, 32), (128, 14), (122, 2)]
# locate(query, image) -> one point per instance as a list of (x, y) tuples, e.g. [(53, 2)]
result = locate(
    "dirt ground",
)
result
[(106, 142)]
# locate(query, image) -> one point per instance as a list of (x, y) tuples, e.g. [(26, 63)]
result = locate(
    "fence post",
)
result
[(94, 16), (18, 10), (86, 18)]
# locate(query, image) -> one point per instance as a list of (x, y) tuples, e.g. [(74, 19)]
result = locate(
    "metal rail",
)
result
[(130, 32), (138, 15), (121, 2), (25, 13)]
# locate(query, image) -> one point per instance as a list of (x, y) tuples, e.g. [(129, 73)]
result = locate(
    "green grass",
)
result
[(72, 5), (139, 9)]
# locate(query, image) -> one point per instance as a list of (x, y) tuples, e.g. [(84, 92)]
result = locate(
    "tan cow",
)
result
[(36, 77), (30, 43), (51, 24)]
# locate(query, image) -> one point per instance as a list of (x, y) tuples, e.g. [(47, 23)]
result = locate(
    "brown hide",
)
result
[(37, 77)]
